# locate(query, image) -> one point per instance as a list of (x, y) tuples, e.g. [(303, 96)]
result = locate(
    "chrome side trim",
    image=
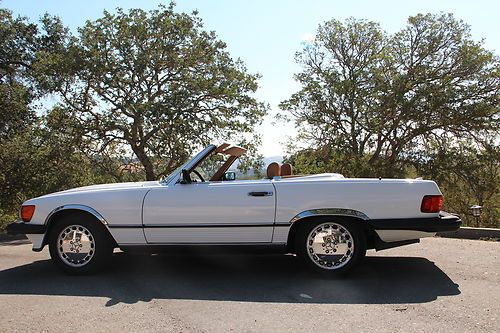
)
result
[(77, 207), (197, 225), (203, 244), (329, 211)]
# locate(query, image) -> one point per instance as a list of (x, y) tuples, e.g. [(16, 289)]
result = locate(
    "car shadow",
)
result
[(262, 278), (14, 242)]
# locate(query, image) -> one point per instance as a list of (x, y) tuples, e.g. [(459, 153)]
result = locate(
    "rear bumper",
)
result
[(22, 228), (444, 222)]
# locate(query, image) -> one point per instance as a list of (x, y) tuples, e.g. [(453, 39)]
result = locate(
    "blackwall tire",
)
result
[(79, 245), (331, 246)]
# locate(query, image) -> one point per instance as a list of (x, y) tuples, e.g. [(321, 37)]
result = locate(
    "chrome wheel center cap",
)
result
[(330, 245), (76, 245)]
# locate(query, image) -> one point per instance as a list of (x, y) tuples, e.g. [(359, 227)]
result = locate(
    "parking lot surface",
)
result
[(439, 285)]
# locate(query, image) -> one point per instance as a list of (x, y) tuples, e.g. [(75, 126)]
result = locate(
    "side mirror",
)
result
[(230, 175), (186, 178)]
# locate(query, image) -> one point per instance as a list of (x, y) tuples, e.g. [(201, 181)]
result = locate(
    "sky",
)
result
[(265, 34)]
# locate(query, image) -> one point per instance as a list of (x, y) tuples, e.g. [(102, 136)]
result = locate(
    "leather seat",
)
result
[(286, 169), (273, 170)]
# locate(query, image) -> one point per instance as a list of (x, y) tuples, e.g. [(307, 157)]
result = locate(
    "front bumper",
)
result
[(23, 228), (444, 222)]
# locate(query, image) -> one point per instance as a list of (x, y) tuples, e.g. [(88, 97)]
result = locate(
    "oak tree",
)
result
[(152, 83), (371, 98)]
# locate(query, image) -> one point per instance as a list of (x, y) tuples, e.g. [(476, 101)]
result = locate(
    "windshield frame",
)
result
[(190, 164)]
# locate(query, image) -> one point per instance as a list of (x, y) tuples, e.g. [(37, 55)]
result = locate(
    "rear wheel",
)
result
[(79, 245), (331, 246)]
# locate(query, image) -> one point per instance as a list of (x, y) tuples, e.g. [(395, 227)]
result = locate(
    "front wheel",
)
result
[(331, 246), (79, 245)]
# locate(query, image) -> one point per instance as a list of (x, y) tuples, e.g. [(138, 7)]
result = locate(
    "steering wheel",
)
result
[(198, 174)]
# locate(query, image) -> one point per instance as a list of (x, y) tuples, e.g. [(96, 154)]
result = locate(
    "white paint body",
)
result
[(224, 213)]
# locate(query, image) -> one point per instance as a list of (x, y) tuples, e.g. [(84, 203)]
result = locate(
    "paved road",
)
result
[(439, 285)]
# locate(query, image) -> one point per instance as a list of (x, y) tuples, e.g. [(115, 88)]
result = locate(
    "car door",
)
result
[(210, 212)]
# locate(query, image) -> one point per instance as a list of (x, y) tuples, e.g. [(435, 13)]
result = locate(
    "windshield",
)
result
[(212, 164), (188, 164), (167, 179)]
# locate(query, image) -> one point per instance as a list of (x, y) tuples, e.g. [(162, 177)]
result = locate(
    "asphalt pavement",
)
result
[(439, 285)]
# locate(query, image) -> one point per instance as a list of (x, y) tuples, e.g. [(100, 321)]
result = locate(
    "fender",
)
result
[(318, 212), (84, 208), (329, 211), (38, 246)]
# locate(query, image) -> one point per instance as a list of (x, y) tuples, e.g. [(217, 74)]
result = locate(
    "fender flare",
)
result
[(76, 207), (84, 208), (329, 211), (319, 212)]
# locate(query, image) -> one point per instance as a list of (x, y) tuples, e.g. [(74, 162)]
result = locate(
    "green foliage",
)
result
[(41, 161), (153, 83), (16, 115), (17, 37), (35, 159), (365, 93), (311, 161), (16, 53), (468, 174), (422, 101)]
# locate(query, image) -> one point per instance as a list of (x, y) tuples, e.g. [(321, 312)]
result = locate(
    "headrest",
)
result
[(286, 169), (273, 170)]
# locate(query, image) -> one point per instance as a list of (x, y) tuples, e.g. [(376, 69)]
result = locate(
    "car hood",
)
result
[(106, 187)]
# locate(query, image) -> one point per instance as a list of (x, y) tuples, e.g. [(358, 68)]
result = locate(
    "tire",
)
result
[(330, 246), (79, 245)]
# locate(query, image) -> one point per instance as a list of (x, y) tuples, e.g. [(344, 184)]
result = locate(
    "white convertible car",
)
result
[(327, 220)]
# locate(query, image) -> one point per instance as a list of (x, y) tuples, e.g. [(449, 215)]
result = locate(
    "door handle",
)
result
[(260, 194)]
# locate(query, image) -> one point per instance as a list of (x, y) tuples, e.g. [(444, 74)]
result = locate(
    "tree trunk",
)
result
[(145, 161)]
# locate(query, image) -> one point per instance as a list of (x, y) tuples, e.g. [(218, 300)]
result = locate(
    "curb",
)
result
[(472, 233)]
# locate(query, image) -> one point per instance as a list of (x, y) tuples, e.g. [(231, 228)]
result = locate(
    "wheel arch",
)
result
[(62, 212), (328, 215)]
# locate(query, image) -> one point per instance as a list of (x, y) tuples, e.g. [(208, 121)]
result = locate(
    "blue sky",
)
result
[(266, 34)]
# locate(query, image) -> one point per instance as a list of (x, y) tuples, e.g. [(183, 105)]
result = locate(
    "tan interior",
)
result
[(221, 147), (234, 152), (286, 169), (273, 170)]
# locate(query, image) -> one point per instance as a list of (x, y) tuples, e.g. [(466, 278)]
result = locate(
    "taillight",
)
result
[(431, 204), (27, 212)]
